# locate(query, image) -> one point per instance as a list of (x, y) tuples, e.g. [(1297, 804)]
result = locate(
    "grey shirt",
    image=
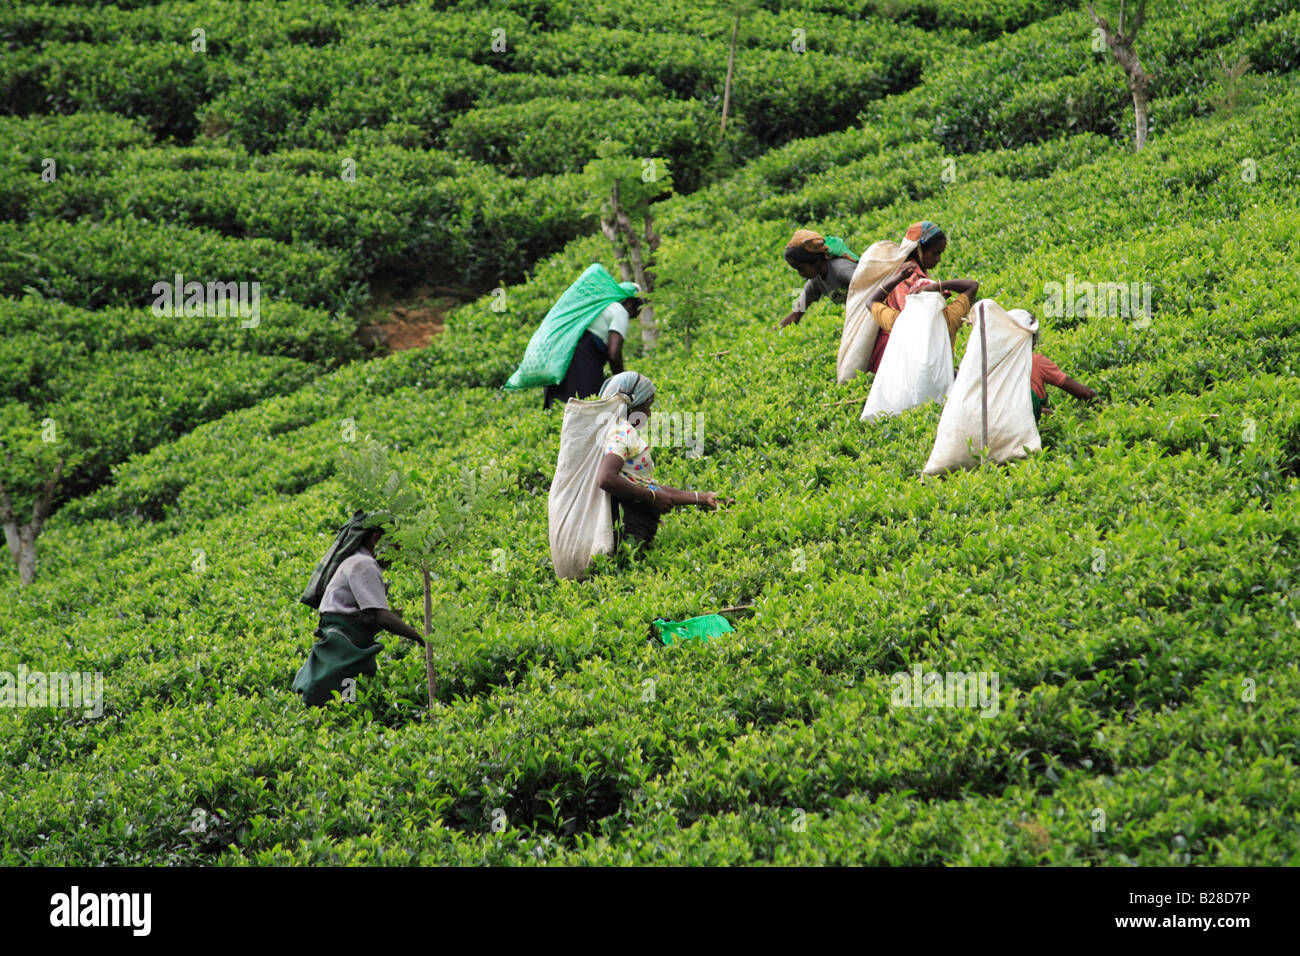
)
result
[(839, 273), (355, 587)]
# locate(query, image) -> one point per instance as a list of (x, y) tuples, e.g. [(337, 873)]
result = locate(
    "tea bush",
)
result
[(118, 262)]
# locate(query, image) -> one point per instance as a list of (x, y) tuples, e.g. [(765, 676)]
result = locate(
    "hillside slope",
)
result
[(1157, 685)]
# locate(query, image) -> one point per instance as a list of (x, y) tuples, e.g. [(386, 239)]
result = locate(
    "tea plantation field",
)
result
[(1135, 586)]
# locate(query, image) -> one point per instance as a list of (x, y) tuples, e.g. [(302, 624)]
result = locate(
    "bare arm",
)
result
[(1079, 390), (609, 479), (389, 621), (959, 286), (615, 352)]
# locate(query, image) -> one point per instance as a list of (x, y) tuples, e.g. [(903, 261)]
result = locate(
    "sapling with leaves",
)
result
[(423, 536), (427, 540), (693, 291), (1236, 85)]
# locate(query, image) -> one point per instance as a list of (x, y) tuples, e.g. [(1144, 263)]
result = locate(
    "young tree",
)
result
[(738, 9), (421, 536), (624, 189), (1236, 88), (693, 290), (1120, 41), (32, 464)]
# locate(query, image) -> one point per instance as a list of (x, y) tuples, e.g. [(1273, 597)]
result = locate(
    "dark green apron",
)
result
[(345, 647), (1038, 403)]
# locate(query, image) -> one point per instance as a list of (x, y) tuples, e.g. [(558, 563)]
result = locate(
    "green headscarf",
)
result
[(346, 543)]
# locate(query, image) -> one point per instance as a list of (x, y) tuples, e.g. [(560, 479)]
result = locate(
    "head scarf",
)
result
[(809, 246), (634, 385), (922, 232), (346, 543)]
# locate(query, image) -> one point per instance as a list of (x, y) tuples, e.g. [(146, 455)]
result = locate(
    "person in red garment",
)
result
[(914, 276), (1045, 372)]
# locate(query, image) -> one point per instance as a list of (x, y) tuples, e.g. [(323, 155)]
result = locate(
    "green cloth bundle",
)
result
[(695, 628), (551, 348), (838, 247), (345, 647)]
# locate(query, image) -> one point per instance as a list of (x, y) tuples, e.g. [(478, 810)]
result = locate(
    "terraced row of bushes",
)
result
[(407, 215), (312, 76), (100, 386)]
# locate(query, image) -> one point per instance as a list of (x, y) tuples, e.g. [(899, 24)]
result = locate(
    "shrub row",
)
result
[(118, 262)]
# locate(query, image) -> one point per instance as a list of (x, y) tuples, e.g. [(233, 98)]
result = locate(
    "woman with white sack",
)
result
[(604, 491), (886, 275), (990, 405), (918, 367)]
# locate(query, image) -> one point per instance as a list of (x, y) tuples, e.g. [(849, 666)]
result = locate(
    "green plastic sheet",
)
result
[(692, 629), (551, 348)]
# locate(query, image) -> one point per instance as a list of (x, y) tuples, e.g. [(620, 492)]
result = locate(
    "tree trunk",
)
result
[(731, 62), (21, 539), (649, 331), (1121, 47), (1138, 84), (27, 558), (428, 640), (22, 547), (1140, 117)]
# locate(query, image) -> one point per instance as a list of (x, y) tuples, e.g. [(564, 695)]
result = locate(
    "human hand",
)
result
[(907, 269)]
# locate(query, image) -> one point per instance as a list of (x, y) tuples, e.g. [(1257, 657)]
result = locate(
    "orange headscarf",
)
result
[(809, 241)]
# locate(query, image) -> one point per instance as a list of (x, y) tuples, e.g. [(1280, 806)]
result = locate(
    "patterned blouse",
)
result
[(635, 452)]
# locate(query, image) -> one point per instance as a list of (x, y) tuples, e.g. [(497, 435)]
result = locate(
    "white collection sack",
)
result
[(1012, 429), (581, 524), (877, 264), (917, 364)]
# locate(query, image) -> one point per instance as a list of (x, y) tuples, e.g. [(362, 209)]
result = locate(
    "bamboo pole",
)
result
[(428, 640), (984, 389)]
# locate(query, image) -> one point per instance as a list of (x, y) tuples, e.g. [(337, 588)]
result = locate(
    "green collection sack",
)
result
[(694, 628), (838, 247), (551, 348)]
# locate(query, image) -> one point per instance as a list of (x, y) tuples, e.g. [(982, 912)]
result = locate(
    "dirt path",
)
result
[(409, 321)]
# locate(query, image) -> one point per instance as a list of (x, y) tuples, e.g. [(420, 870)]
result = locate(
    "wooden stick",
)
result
[(847, 401), (735, 607), (984, 391), (719, 354), (428, 641)]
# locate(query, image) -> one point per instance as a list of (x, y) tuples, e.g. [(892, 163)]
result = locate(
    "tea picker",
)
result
[(348, 590)]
